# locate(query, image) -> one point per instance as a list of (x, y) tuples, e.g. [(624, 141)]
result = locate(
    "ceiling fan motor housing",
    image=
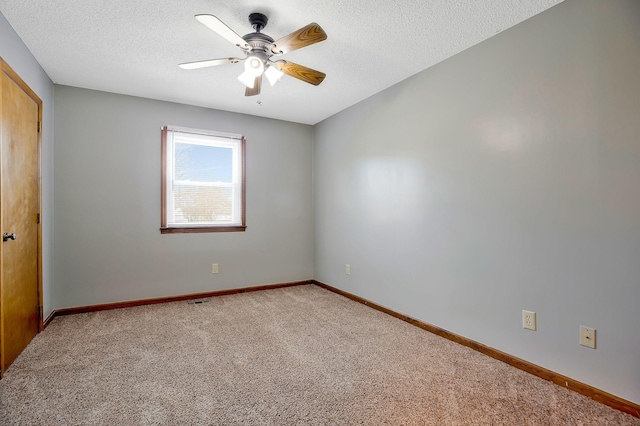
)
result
[(259, 45)]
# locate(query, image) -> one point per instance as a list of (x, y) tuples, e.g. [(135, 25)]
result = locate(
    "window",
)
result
[(203, 188)]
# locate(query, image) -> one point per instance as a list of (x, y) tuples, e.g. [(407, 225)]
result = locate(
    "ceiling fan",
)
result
[(259, 50)]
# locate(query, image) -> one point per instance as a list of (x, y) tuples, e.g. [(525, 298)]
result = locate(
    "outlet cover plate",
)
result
[(529, 320), (214, 268), (588, 337), (347, 269)]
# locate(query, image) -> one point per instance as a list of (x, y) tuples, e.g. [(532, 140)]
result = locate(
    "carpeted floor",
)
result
[(298, 355)]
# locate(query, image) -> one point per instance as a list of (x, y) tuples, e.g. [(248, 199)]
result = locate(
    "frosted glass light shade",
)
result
[(247, 79), (254, 66), (273, 74)]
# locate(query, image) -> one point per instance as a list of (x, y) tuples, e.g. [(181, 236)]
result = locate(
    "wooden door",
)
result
[(20, 271)]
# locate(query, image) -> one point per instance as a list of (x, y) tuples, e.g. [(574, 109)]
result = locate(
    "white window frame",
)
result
[(174, 134)]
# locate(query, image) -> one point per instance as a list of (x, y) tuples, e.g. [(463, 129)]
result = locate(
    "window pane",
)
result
[(196, 203), (202, 163)]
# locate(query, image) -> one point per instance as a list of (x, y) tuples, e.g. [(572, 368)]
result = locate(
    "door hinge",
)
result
[(39, 126), (38, 217)]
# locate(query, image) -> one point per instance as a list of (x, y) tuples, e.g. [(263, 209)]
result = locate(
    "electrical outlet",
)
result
[(529, 320), (588, 337), (214, 268), (347, 269)]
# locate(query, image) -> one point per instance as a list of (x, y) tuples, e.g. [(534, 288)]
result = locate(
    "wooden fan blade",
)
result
[(256, 87), (219, 27), (300, 72), (208, 63), (305, 36)]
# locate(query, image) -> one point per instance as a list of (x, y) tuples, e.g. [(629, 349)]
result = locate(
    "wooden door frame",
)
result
[(6, 69)]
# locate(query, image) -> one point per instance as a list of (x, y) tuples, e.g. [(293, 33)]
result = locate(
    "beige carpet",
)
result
[(299, 355)]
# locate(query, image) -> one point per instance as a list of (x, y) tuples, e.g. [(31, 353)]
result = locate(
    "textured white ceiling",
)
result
[(133, 47)]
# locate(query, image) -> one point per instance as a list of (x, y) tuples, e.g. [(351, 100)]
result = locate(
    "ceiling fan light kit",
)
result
[(259, 49)]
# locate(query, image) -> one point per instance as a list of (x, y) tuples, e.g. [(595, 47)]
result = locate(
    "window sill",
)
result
[(202, 229)]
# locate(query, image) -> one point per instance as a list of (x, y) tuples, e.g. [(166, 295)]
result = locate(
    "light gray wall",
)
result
[(505, 178), (107, 201), (20, 59)]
